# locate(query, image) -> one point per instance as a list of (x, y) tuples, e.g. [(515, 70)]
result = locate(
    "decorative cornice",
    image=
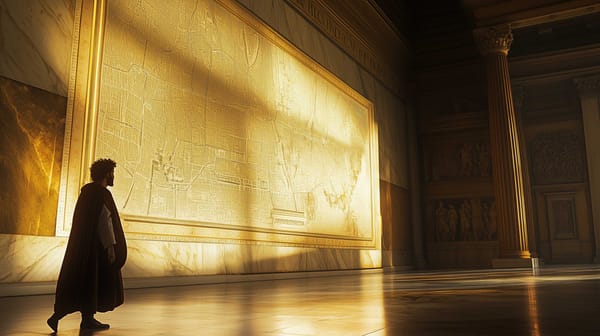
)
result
[(379, 60), (494, 40), (589, 85)]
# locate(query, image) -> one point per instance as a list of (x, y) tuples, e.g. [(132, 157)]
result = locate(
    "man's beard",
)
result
[(110, 181)]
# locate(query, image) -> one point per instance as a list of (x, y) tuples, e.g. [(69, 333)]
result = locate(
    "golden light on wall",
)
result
[(222, 130)]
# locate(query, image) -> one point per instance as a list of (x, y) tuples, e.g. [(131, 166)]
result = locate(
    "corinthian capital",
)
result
[(494, 40)]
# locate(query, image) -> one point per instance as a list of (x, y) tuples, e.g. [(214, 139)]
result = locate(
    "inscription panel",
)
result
[(216, 121)]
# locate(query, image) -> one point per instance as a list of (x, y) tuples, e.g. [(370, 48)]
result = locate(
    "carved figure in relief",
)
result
[(476, 219), (441, 222), (485, 221), (90, 277), (452, 222), (465, 216)]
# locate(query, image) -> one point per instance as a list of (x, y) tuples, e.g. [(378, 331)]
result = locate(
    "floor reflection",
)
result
[(533, 310), (558, 301)]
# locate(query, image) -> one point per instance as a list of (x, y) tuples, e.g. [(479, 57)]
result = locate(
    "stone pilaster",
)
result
[(415, 191), (589, 95), (494, 44)]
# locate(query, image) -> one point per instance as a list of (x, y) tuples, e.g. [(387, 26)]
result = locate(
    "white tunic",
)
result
[(105, 228)]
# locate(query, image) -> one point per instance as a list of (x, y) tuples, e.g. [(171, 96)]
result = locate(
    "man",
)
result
[(90, 277)]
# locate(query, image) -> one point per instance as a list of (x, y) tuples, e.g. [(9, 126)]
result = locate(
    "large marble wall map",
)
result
[(215, 119)]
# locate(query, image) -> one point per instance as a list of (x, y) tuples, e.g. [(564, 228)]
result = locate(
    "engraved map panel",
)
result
[(214, 119)]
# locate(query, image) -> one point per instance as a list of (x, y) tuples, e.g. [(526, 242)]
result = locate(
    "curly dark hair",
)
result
[(100, 168)]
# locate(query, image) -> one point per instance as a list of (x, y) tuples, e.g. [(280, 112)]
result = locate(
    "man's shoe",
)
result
[(53, 323), (93, 324)]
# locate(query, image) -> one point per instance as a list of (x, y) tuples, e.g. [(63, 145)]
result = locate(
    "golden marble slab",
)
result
[(31, 143)]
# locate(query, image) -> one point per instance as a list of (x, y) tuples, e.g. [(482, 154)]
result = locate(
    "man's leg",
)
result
[(53, 320), (89, 322)]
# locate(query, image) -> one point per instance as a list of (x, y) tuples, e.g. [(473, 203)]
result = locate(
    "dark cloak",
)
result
[(87, 281)]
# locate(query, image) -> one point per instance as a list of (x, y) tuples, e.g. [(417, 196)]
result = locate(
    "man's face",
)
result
[(110, 178)]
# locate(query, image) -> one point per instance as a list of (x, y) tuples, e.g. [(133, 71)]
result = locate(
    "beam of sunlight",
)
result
[(532, 309), (214, 118)]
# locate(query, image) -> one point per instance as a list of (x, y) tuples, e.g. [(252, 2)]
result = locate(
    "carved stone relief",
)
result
[(558, 157), (468, 219), (467, 159)]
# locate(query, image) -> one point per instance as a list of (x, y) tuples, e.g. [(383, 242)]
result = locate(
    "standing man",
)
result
[(90, 277)]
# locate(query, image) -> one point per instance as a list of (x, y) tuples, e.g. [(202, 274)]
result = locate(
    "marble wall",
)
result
[(31, 142), (38, 259), (397, 247), (35, 42), (390, 108), (40, 55), (233, 127)]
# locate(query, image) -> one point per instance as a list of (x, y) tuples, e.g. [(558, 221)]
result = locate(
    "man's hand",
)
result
[(111, 254)]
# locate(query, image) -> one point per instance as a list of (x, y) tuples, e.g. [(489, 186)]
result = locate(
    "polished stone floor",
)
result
[(557, 301)]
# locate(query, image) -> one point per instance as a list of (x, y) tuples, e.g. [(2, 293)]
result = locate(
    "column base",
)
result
[(516, 263)]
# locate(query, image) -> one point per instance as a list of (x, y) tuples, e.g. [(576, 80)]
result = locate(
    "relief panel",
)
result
[(458, 160), (557, 157), (467, 219)]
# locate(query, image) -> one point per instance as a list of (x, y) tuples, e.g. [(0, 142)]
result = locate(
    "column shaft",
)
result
[(506, 158), (494, 43)]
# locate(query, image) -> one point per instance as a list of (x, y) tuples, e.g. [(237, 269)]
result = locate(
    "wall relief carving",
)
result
[(469, 219), (460, 160), (558, 158), (364, 49)]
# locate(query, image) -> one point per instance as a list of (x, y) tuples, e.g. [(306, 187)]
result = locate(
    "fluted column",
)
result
[(589, 94), (518, 98), (494, 44)]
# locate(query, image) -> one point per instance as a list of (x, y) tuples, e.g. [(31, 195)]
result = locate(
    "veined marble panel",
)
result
[(35, 259), (31, 142), (35, 42)]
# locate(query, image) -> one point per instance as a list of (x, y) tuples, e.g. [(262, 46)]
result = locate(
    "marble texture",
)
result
[(31, 143), (35, 42), (390, 109), (143, 53), (31, 259), (558, 301), (223, 135)]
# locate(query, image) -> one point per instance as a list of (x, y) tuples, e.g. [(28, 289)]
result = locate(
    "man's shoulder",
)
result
[(93, 189)]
